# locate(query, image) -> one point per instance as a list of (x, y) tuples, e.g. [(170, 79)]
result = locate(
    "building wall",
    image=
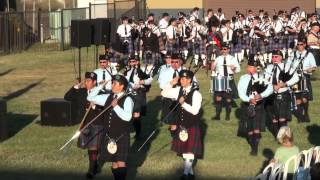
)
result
[(172, 6), (85, 3), (230, 6)]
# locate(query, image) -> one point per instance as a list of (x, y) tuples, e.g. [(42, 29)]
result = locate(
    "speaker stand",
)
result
[(79, 63)]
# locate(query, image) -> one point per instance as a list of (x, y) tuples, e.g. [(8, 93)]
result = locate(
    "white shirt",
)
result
[(122, 29), (308, 61), (220, 16), (173, 93), (230, 60), (171, 32), (124, 113), (136, 79), (163, 24), (269, 75), (227, 37), (108, 76)]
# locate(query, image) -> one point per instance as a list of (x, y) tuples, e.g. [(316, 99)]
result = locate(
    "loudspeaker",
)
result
[(56, 112), (101, 31), (3, 120), (80, 33)]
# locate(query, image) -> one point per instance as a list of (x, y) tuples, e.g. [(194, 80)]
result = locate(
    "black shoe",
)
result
[(191, 177), (227, 118), (90, 175), (217, 118), (184, 177), (253, 152)]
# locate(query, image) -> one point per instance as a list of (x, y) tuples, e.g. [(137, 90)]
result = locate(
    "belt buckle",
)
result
[(279, 96)]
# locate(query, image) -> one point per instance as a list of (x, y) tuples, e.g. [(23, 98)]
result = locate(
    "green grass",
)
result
[(31, 151)]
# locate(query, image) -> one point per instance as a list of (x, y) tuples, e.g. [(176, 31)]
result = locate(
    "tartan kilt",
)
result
[(92, 138), (258, 46), (127, 49), (122, 153), (245, 41), (199, 46), (291, 40), (136, 45), (151, 60), (172, 47), (193, 144), (139, 101), (275, 44), (282, 106)]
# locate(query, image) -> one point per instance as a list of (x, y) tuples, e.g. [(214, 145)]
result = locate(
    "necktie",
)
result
[(227, 35), (184, 92), (196, 33), (225, 70), (104, 75), (132, 74), (175, 74), (173, 33), (300, 56), (274, 77), (182, 31), (115, 96), (125, 30)]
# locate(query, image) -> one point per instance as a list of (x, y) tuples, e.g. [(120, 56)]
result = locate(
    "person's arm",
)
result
[(267, 92), (125, 113), (293, 80), (170, 92), (148, 81), (196, 104), (97, 99), (242, 89)]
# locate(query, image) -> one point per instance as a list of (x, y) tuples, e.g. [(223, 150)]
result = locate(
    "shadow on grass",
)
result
[(49, 175), (7, 71), (16, 122), (268, 154), (23, 90), (149, 124), (314, 134)]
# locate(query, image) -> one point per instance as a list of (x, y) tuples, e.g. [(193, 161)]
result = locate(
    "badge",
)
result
[(112, 146), (183, 135)]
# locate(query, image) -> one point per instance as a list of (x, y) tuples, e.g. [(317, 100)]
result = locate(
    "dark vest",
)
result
[(185, 118), (115, 126)]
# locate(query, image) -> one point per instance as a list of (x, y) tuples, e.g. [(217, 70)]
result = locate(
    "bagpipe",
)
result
[(141, 75)]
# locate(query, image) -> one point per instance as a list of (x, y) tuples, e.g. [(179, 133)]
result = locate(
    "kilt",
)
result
[(129, 48), (223, 95), (165, 108), (136, 44), (151, 60), (172, 47), (192, 145), (212, 49), (91, 137), (240, 45), (123, 145), (275, 43), (257, 46), (199, 46), (139, 101), (316, 54), (254, 123), (282, 106)]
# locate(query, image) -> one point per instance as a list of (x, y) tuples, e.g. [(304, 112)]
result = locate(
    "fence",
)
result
[(20, 30)]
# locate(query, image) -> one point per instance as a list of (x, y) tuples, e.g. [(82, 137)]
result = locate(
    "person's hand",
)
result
[(174, 81), (141, 82), (114, 103), (253, 101), (181, 100), (173, 127), (257, 97)]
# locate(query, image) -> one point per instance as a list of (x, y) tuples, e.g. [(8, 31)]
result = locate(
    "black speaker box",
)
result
[(3, 120), (80, 33), (56, 112), (101, 29)]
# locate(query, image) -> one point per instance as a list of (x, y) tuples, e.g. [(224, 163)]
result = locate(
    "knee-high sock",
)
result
[(196, 59), (185, 53), (188, 163), (203, 58), (137, 125), (218, 107), (93, 163)]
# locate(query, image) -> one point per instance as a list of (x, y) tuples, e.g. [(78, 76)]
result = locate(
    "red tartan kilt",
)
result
[(193, 144)]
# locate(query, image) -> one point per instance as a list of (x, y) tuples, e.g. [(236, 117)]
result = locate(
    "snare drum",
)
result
[(220, 83), (301, 86)]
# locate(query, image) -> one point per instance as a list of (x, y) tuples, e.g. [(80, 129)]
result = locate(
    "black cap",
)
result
[(315, 24), (176, 56), (253, 62), (124, 18), (302, 39), (134, 56), (103, 57), (121, 79), (223, 44), (91, 75), (277, 52), (186, 73)]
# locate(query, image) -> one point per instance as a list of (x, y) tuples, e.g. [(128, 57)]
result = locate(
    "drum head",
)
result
[(112, 147), (183, 135)]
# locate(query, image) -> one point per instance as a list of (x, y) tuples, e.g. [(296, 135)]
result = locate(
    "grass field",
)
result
[(31, 151)]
